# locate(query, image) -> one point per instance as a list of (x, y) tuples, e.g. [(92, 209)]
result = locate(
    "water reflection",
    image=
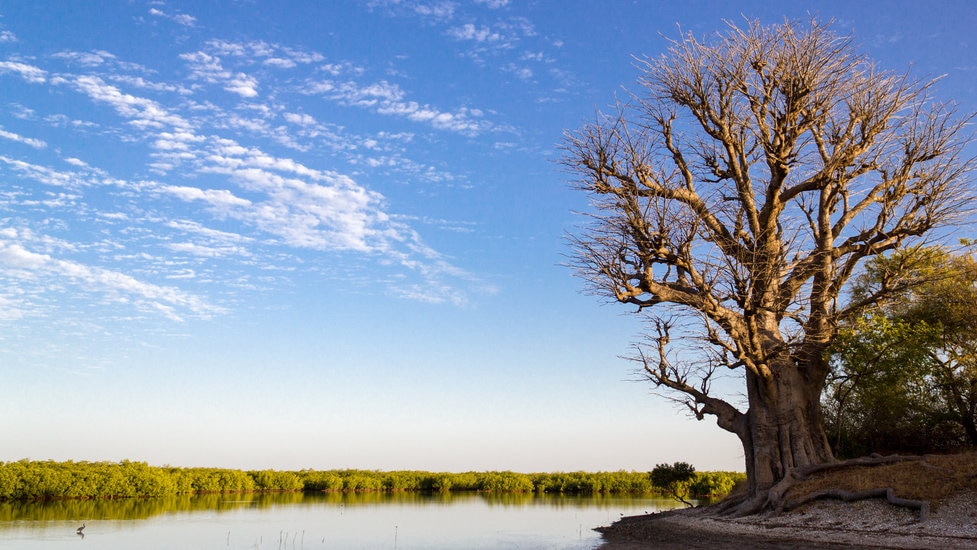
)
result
[(297, 520), (141, 508), (144, 508)]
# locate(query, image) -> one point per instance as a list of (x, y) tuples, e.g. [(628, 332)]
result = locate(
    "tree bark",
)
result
[(784, 427)]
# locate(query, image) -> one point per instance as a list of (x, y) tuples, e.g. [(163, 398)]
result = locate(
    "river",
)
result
[(297, 521)]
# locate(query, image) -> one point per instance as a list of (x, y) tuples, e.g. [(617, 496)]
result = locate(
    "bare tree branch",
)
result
[(741, 188)]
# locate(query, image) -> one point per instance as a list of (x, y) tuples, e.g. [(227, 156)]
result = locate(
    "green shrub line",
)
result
[(50, 480)]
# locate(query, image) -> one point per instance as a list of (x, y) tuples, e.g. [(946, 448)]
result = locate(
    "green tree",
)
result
[(732, 201), (674, 479), (715, 484), (948, 303), (905, 369)]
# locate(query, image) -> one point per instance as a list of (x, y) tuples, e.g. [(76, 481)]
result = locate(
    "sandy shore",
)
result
[(823, 524)]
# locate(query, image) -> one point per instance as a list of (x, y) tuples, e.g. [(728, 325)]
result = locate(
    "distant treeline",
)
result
[(40, 480)]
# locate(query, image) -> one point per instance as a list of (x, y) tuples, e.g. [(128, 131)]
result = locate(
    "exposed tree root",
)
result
[(728, 506), (921, 505), (775, 499)]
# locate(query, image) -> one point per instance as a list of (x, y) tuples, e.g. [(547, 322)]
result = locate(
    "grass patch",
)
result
[(933, 479)]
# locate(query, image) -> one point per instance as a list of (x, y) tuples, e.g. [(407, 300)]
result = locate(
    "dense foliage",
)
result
[(904, 375), (34, 480)]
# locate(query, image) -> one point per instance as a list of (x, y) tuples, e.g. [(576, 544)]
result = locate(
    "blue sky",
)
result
[(331, 234)]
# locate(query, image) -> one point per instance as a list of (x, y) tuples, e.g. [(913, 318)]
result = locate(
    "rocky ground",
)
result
[(872, 523)]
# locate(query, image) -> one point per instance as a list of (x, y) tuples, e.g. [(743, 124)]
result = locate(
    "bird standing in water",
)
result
[(80, 529)]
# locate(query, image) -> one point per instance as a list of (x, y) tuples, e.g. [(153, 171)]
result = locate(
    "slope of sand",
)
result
[(821, 524)]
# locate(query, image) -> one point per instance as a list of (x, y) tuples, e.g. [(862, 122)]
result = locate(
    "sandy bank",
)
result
[(822, 524)]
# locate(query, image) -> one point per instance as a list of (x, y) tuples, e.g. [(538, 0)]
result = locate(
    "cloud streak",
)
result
[(179, 18), (35, 143), (389, 99), (28, 72), (19, 262)]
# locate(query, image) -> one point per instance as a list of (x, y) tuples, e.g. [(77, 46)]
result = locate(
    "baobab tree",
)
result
[(733, 198)]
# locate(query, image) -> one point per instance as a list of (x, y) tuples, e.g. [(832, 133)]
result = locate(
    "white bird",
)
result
[(80, 529)]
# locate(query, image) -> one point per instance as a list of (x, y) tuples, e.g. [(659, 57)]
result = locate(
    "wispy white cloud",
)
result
[(35, 143), (45, 174), (176, 140), (85, 59), (469, 31), (280, 62), (208, 251), (522, 73), (389, 99), (96, 59), (437, 10), (336, 69), (7, 36), (220, 199), (307, 208), (141, 112), (254, 125), (243, 85), (29, 73), (77, 162), (493, 4), (185, 19), (19, 262), (492, 41), (487, 42), (208, 68), (180, 18), (140, 82), (300, 119), (11, 308), (219, 237), (269, 54)]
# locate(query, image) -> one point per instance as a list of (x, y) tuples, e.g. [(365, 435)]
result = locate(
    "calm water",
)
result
[(297, 521)]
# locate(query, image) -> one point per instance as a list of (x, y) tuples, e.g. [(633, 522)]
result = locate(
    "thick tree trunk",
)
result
[(784, 428)]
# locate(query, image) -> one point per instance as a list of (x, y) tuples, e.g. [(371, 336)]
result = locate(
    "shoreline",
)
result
[(821, 524)]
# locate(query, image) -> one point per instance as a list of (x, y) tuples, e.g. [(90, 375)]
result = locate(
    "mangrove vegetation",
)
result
[(50, 480)]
